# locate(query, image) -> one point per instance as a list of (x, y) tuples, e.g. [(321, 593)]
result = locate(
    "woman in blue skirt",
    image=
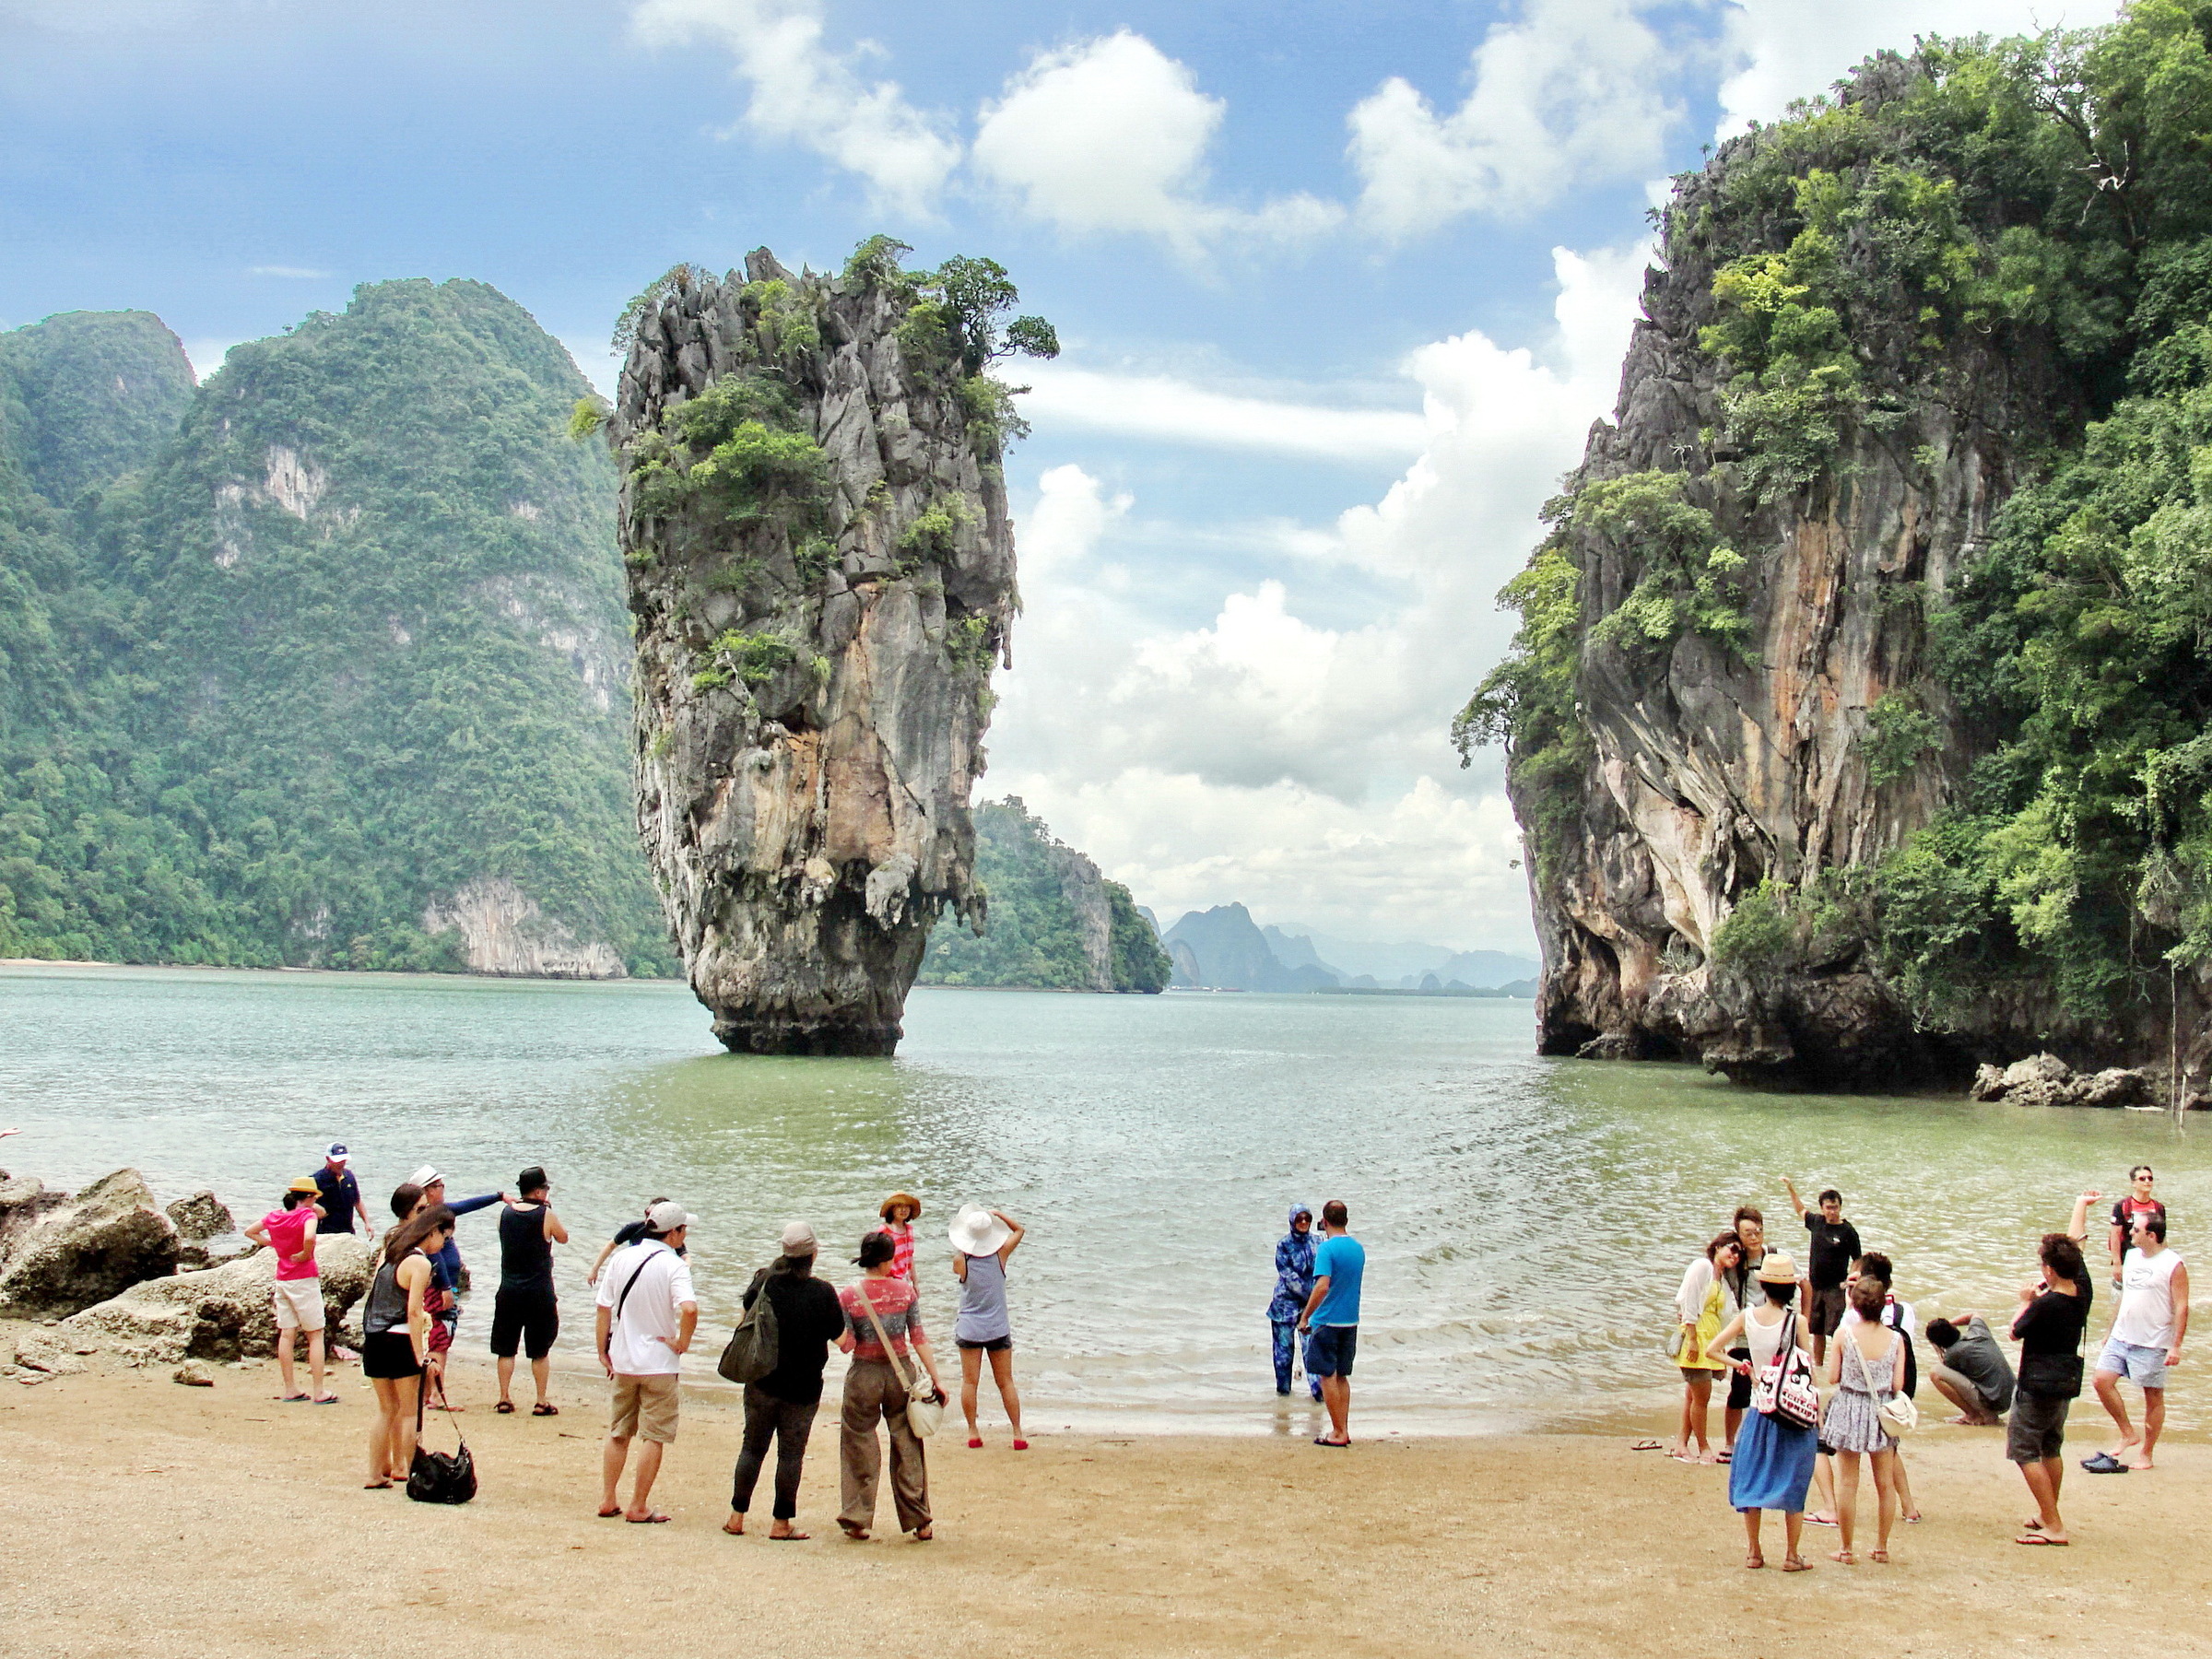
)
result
[(1774, 1461)]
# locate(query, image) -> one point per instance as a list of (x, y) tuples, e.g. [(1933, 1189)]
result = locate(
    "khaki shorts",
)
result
[(645, 1406), (298, 1304)]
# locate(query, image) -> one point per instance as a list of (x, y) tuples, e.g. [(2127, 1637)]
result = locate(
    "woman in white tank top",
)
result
[(1773, 1461)]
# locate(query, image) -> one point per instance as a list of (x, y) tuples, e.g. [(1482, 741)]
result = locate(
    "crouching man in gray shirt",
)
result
[(1971, 1372)]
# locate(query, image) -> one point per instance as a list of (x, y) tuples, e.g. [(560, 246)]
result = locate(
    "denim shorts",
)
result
[(2145, 1367), (1333, 1350)]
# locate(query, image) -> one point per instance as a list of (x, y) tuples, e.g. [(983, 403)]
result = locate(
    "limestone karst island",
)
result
[(1349, 833)]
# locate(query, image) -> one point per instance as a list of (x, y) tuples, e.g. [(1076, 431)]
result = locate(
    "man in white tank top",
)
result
[(2146, 1340)]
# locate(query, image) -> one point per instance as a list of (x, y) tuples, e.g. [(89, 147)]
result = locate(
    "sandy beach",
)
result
[(146, 1517)]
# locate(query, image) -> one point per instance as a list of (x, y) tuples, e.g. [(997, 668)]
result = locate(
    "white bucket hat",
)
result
[(976, 1231)]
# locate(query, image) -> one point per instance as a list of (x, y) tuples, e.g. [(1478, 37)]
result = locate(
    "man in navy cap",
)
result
[(341, 1194)]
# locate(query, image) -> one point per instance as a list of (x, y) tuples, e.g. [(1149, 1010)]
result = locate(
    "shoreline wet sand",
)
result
[(146, 1517)]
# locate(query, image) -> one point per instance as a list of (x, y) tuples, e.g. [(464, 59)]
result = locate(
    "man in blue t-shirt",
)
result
[(1333, 1316)]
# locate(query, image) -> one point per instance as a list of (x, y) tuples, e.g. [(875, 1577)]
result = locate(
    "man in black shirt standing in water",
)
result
[(1834, 1258), (525, 1315)]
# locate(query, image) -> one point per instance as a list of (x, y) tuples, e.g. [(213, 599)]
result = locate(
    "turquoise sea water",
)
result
[(1527, 1219)]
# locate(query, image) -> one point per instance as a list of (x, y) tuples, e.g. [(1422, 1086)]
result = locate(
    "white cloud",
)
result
[(1174, 411), (1785, 50), (1109, 137), (1569, 94), (301, 272), (1273, 754), (803, 93)]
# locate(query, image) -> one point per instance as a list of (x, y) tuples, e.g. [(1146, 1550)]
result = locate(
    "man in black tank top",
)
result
[(525, 1313)]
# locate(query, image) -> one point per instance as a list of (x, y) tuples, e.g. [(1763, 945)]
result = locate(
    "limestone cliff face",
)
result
[(821, 567), (1710, 768), (504, 933)]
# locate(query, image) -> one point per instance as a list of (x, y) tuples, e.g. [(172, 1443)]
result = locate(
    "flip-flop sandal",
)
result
[(544, 1409), (376, 1486), (858, 1535), (327, 1400), (653, 1520), (789, 1537), (2104, 1462), (1795, 1564), (1333, 1445), (505, 1409), (1646, 1445), (1726, 1457), (608, 1514), (2037, 1537), (298, 1399)]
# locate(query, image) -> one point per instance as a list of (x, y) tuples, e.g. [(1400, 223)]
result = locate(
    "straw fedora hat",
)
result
[(976, 1231), (1778, 1269)]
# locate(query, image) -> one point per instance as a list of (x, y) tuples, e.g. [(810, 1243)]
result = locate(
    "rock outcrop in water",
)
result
[(1854, 721), (821, 566)]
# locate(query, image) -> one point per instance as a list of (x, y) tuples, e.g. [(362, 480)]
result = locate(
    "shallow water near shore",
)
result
[(1526, 1220)]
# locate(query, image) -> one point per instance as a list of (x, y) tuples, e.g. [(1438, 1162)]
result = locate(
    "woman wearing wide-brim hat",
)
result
[(1773, 1461), (900, 1212), (981, 1242)]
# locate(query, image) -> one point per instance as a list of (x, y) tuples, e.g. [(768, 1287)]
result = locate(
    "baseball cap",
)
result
[(336, 1152), (798, 1239), (424, 1176), (667, 1216)]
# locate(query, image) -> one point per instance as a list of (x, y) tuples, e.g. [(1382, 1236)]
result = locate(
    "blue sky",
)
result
[(1341, 285)]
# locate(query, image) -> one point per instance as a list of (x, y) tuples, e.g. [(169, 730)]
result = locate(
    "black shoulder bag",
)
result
[(753, 1347), (441, 1477)]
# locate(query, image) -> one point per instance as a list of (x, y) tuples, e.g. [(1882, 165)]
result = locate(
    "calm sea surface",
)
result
[(1526, 1220)]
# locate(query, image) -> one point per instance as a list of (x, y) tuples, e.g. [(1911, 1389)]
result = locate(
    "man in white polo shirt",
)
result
[(646, 1315)]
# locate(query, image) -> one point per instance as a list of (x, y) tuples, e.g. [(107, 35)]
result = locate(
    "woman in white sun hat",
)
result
[(981, 1242)]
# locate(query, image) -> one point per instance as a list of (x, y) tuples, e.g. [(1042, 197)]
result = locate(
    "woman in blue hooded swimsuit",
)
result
[(1293, 1285)]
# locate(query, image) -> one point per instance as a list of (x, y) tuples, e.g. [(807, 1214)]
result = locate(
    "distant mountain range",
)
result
[(1223, 949)]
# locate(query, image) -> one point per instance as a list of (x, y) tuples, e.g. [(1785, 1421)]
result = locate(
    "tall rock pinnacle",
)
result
[(821, 566)]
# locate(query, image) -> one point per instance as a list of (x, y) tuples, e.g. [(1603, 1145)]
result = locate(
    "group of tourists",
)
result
[(1779, 1335), (646, 1316)]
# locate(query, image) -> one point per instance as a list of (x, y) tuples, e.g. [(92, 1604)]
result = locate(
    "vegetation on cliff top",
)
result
[(1033, 938), (2048, 196), (343, 641)]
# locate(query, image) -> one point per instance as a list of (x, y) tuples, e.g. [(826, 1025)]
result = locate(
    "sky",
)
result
[(1340, 284)]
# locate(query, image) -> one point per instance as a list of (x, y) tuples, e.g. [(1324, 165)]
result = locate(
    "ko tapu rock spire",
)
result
[(821, 566)]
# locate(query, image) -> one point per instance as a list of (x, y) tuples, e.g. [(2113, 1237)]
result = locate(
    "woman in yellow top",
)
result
[(1703, 1306)]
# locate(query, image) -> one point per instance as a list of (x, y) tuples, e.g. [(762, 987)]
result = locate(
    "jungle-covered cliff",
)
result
[(321, 662), (1856, 723), (822, 569)]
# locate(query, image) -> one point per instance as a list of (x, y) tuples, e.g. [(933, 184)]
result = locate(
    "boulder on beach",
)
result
[(200, 1217), (59, 1257), (222, 1313)]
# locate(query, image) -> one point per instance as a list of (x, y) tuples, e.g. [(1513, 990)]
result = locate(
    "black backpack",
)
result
[(440, 1476), (752, 1350)]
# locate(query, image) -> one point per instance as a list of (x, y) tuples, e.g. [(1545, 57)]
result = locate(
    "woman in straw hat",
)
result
[(982, 1240), (900, 1212), (1773, 1461)]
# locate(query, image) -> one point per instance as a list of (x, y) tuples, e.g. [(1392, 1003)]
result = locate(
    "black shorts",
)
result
[(389, 1354), (1826, 1317), (1333, 1350), (1739, 1385), (2036, 1431), (529, 1318), (997, 1345)]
